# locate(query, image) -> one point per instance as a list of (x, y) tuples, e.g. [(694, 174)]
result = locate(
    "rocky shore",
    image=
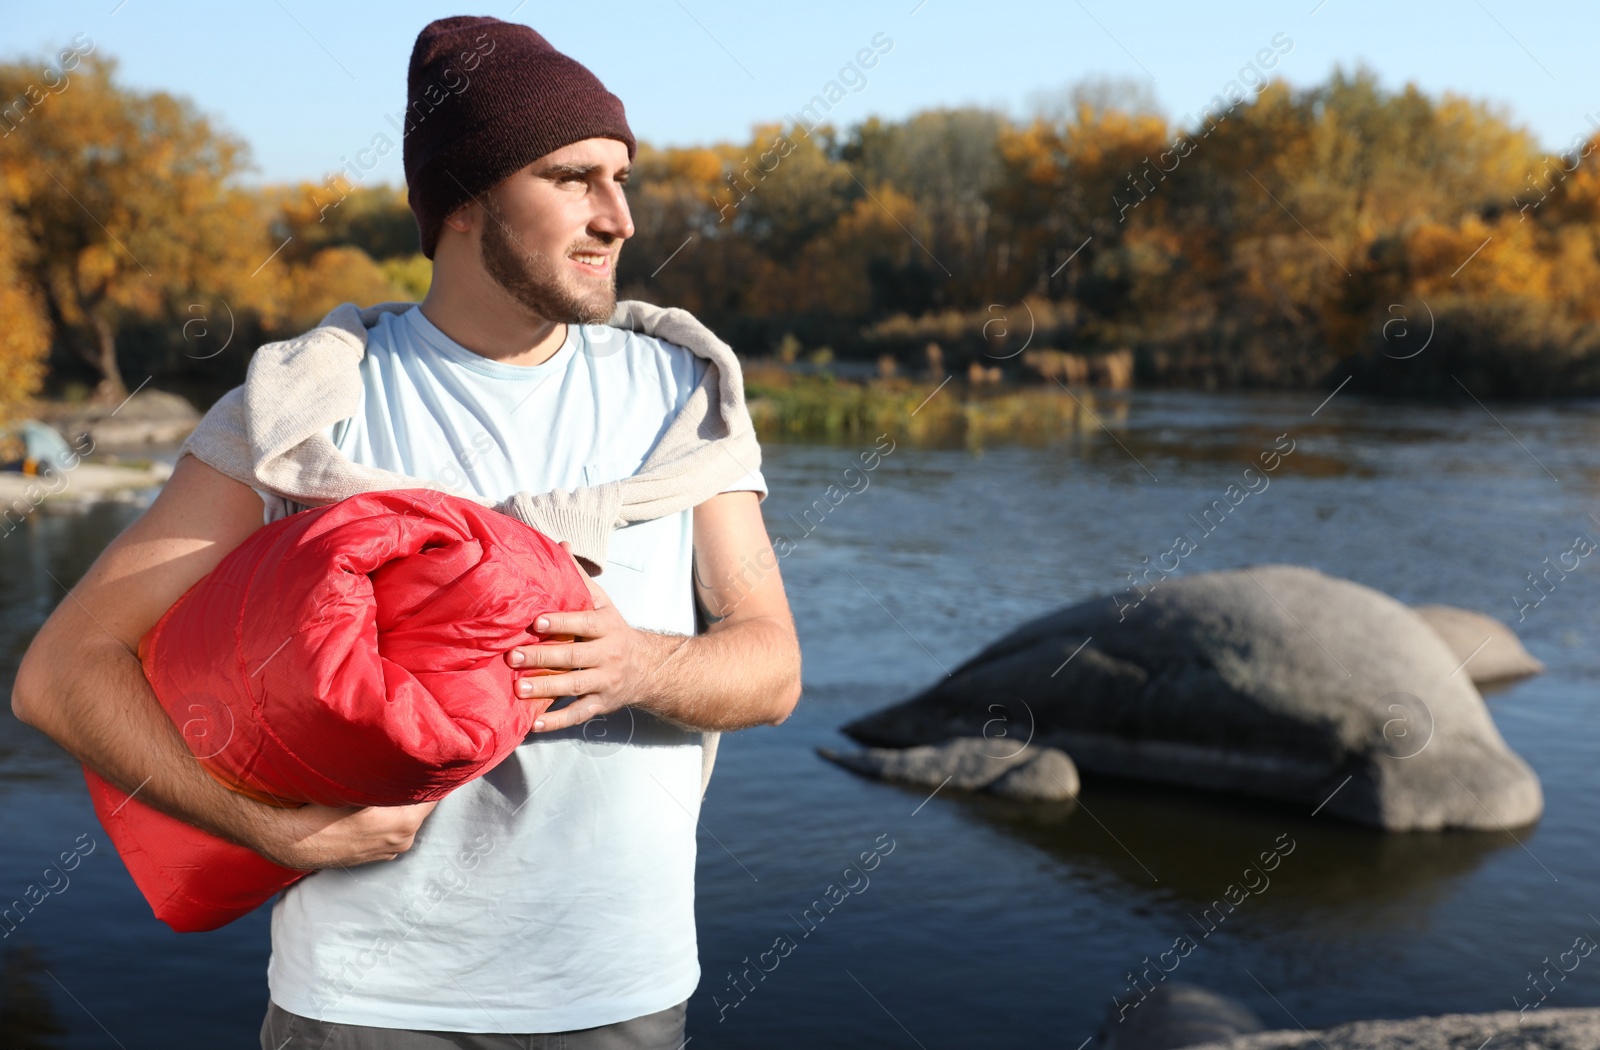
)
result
[(1570, 1029), (1177, 1016), (84, 484)]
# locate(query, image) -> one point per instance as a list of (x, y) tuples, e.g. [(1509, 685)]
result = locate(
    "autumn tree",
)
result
[(128, 201), (945, 164)]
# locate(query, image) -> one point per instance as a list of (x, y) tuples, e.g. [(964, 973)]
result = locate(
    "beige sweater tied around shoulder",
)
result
[(271, 434)]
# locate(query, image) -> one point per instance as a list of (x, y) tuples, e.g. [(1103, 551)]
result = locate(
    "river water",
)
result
[(986, 923)]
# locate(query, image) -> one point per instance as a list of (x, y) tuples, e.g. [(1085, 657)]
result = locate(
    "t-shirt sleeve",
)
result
[(273, 506), (752, 481)]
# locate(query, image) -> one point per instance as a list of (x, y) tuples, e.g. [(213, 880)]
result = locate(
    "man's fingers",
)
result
[(555, 686), (576, 713), (576, 624), (340, 836), (563, 656)]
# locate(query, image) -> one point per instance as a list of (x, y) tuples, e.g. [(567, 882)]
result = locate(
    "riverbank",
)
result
[(113, 454), (83, 484), (948, 412)]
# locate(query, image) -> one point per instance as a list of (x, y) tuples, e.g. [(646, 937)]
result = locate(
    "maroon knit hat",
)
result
[(485, 98)]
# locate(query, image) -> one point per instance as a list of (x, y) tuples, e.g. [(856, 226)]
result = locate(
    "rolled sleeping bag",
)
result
[(348, 655)]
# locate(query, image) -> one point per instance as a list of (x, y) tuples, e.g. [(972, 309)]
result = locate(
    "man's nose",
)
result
[(612, 217)]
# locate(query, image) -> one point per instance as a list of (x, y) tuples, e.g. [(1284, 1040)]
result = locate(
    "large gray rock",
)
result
[(1177, 1015), (1492, 651), (1275, 681), (1543, 1029), (1003, 767)]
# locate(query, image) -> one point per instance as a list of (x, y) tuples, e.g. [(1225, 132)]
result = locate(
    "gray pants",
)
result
[(282, 1030)]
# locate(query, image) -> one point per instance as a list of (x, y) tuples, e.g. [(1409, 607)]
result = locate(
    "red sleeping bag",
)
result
[(349, 655)]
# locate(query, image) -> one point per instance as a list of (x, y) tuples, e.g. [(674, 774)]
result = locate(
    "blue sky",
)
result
[(307, 84)]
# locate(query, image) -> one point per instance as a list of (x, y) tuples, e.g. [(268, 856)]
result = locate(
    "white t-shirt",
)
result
[(557, 891)]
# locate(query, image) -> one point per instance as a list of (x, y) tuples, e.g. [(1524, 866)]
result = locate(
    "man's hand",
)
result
[(608, 666), (744, 671), (312, 837)]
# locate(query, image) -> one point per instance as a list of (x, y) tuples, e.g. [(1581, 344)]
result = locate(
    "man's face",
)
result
[(553, 231)]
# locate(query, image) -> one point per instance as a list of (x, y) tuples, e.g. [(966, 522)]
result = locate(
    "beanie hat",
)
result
[(485, 98)]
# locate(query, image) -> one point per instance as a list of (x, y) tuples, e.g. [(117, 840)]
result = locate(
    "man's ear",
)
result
[(463, 218)]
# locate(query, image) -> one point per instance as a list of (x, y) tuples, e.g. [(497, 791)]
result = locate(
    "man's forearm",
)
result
[(81, 684), (97, 704), (739, 675)]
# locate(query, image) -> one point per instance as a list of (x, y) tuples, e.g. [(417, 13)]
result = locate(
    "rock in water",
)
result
[(1049, 776), (1176, 1015), (1033, 774), (1492, 651), (1275, 681)]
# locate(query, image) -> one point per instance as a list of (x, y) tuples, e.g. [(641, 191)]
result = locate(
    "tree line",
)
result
[(1296, 237)]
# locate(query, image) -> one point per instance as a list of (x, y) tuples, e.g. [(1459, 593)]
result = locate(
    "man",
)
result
[(554, 894)]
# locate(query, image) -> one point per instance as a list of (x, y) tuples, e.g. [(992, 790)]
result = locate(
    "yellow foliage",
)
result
[(1262, 245), (411, 275), (25, 333), (334, 276)]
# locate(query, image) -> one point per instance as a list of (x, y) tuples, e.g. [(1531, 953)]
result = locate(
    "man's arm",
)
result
[(744, 671), (81, 684)]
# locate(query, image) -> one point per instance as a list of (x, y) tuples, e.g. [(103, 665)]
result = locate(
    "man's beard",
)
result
[(531, 279)]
